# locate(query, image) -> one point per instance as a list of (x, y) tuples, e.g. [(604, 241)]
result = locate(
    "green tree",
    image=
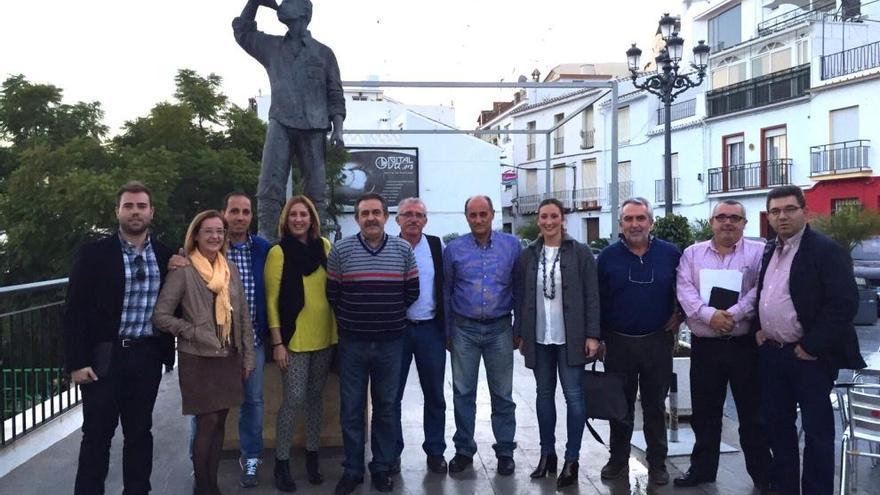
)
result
[(848, 226), (201, 94), (675, 229), (528, 231), (701, 230)]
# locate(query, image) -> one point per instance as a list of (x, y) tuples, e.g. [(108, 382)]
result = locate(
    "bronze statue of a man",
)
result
[(307, 101)]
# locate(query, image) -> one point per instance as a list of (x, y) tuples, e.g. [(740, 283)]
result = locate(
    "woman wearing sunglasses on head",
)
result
[(215, 339)]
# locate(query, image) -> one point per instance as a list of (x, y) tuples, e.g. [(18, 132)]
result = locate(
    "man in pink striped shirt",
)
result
[(722, 350)]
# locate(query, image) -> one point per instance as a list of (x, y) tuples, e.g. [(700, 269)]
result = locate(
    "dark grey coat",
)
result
[(580, 298)]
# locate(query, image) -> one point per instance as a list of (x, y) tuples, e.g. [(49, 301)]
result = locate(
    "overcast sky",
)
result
[(125, 53)]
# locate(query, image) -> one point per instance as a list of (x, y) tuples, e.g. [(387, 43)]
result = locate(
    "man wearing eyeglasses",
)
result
[(111, 349), (425, 338), (807, 299), (639, 316), (722, 350)]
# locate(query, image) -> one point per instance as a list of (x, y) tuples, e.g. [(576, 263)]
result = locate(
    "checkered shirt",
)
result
[(140, 295), (242, 256)]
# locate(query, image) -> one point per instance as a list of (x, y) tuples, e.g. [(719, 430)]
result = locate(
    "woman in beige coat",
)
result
[(215, 339)]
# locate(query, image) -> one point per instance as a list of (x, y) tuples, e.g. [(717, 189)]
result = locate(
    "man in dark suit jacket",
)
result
[(425, 338), (111, 348), (807, 299)]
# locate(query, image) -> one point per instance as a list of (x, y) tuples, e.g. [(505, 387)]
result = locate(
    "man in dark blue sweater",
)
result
[(639, 315)]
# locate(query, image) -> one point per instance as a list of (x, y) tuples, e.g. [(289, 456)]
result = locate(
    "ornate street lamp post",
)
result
[(667, 84)]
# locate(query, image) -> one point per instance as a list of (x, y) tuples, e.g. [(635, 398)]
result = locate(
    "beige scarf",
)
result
[(216, 275)]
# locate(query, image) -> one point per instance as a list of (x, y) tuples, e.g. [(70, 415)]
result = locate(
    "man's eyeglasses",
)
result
[(641, 273), (722, 218), (140, 266), (788, 210), (411, 214)]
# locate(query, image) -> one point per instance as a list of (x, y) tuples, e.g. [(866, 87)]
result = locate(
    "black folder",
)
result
[(721, 298)]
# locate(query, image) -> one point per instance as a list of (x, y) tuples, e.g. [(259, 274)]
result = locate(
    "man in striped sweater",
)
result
[(372, 278)]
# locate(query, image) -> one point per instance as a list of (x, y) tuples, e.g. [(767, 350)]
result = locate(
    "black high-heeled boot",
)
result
[(568, 475), (283, 480), (312, 469), (547, 463)]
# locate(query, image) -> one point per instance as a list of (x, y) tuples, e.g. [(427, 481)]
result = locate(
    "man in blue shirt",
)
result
[(639, 316), (478, 294)]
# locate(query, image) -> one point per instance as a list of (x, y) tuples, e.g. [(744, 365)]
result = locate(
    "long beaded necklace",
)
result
[(552, 294)]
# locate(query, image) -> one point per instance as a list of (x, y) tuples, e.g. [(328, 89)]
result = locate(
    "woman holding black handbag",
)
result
[(557, 325)]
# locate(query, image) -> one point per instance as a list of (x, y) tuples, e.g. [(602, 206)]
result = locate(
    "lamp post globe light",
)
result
[(668, 83)]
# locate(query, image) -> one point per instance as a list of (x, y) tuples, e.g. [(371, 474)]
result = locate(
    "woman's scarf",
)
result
[(300, 260), (216, 275)]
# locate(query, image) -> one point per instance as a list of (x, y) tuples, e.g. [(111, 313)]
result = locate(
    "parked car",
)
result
[(866, 262)]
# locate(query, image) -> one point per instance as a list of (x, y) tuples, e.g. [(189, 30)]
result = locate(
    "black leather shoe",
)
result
[(546, 464), (506, 466), (283, 480), (459, 463), (568, 476), (437, 464), (394, 466), (690, 478), (658, 475), (382, 481), (347, 484), (614, 469), (313, 470)]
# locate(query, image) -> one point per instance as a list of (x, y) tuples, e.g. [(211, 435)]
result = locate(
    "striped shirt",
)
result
[(141, 291), (369, 289)]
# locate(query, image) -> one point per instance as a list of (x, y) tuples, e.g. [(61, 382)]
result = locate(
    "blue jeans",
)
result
[(788, 382), (426, 342), (250, 419), (494, 343), (549, 359), (376, 363)]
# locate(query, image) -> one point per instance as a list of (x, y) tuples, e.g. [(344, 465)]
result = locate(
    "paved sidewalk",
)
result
[(52, 471)]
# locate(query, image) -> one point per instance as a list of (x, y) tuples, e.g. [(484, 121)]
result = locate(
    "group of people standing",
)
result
[(377, 302)]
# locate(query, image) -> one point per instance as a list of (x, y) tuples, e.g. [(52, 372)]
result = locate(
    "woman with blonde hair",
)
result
[(215, 339), (302, 331)]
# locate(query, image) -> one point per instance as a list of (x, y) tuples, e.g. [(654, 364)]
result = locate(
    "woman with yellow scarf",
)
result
[(215, 339)]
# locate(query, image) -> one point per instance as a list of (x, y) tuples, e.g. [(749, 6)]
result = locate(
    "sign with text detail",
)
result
[(391, 172)]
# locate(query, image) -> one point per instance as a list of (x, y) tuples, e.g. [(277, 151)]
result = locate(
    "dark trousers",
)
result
[(716, 362), (426, 342), (786, 383), (127, 393), (377, 364), (647, 363)]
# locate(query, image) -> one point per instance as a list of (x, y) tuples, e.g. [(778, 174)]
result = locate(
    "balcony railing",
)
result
[(680, 110), (756, 175), (796, 16), (624, 190), (588, 138), (530, 151), (526, 205), (850, 61), (35, 387), (558, 145), (759, 91), (588, 199), (837, 158), (660, 191)]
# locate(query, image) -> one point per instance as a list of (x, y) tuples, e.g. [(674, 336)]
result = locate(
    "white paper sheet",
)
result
[(726, 279)]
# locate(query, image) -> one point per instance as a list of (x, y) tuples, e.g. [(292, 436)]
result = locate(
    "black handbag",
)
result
[(604, 397)]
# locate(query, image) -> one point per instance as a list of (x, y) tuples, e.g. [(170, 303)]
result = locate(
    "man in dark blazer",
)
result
[(111, 349), (807, 299), (425, 338)]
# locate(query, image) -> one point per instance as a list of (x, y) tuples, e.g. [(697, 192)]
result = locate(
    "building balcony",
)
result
[(759, 91), (756, 175), (677, 111), (807, 12), (528, 205), (588, 199), (831, 160), (530, 151), (588, 138), (851, 61), (624, 190), (660, 191)]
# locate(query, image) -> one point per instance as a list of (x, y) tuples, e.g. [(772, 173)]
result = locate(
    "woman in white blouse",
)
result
[(557, 325)]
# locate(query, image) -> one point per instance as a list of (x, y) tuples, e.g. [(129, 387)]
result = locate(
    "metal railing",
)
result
[(526, 205), (558, 145), (756, 175), (624, 189), (588, 137), (35, 388), (850, 61), (660, 191), (759, 91), (530, 151), (796, 16), (843, 157), (588, 198), (680, 110)]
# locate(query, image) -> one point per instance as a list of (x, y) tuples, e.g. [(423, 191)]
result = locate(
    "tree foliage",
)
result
[(702, 230), (528, 230), (848, 226), (675, 229), (201, 94)]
